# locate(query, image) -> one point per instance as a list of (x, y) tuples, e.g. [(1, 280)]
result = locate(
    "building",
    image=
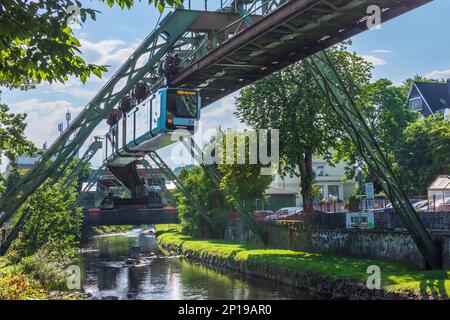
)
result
[(23, 162), (430, 97), (276, 199), (332, 181)]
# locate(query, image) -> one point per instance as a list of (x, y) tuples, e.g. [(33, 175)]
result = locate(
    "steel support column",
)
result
[(345, 108)]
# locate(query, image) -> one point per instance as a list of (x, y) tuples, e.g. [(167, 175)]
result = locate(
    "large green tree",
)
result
[(291, 101), (36, 43), (425, 153), (383, 106)]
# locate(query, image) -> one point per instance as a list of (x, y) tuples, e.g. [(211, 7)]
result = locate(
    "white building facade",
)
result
[(332, 181)]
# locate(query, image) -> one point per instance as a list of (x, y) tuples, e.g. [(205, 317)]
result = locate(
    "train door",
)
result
[(155, 111)]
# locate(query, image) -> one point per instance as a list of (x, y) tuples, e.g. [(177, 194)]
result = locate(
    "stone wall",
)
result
[(326, 233)]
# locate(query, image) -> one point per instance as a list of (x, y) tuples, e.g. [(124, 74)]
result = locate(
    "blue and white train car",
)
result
[(150, 125)]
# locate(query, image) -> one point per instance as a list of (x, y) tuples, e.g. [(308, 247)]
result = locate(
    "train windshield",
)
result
[(182, 103)]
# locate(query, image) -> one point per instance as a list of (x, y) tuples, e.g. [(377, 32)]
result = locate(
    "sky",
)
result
[(416, 43)]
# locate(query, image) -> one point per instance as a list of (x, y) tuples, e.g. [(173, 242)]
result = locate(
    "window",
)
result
[(182, 103), (333, 192), (320, 194), (416, 103), (320, 171)]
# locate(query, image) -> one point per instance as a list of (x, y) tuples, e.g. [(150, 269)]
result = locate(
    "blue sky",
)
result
[(415, 43)]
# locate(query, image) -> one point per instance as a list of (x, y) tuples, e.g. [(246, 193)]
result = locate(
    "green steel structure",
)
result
[(223, 49), (345, 108), (164, 191), (83, 161)]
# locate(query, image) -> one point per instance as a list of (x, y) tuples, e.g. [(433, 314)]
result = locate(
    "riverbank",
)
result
[(334, 277)]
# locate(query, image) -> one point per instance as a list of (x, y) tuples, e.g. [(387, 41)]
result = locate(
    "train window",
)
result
[(142, 119), (182, 103)]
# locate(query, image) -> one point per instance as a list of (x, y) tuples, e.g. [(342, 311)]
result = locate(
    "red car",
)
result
[(260, 215)]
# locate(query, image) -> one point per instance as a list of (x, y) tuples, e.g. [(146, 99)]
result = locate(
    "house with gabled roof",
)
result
[(430, 97)]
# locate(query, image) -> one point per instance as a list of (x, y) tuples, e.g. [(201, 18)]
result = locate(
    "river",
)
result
[(106, 274)]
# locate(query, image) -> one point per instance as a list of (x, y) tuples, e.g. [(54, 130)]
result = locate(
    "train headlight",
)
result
[(169, 119)]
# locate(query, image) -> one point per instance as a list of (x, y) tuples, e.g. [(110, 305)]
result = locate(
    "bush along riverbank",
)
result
[(331, 277)]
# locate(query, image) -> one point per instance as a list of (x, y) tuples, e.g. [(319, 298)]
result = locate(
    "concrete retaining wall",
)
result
[(326, 233)]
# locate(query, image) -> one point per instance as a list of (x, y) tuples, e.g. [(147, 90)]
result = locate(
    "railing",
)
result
[(231, 5), (208, 42)]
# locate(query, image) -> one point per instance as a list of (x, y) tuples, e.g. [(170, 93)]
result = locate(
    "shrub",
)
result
[(20, 287)]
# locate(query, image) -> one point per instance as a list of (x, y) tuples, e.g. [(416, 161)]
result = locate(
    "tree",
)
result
[(383, 106), (36, 43), (425, 153), (12, 138), (239, 182), (48, 240), (242, 182), (50, 218), (201, 189), (291, 101)]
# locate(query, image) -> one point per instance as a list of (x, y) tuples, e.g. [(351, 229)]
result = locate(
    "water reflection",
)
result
[(107, 275)]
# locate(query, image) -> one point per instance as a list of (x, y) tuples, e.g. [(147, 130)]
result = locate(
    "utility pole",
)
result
[(68, 118)]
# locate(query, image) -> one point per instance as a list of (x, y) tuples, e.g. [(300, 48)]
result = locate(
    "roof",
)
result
[(436, 95), (441, 183), (276, 191)]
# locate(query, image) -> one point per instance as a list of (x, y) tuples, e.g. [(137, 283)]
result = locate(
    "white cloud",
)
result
[(381, 51), (438, 74), (374, 60), (78, 92), (113, 51), (43, 117)]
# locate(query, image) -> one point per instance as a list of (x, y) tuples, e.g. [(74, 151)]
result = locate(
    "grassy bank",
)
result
[(319, 269)]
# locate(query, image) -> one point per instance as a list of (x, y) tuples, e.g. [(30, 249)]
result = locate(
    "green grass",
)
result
[(162, 228), (396, 276)]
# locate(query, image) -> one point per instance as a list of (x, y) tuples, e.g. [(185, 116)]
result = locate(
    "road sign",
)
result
[(357, 220), (370, 191)]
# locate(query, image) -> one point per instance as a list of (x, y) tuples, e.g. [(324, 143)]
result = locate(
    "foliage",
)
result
[(48, 265), (20, 287), (396, 276), (383, 106), (111, 229), (425, 153), (292, 101), (13, 141), (239, 182), (50, 217), (203, 190), (242, 182), (36, 43)]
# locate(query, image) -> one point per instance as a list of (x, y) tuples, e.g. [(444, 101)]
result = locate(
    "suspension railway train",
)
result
[(148, 126), (141, 124)]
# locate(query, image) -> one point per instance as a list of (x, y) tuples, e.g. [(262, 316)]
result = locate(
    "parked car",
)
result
[(285, 213), (260, 215), (389, 208), (418, 205), (421, 205)]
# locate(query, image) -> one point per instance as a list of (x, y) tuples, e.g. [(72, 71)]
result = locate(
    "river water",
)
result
[(106, 274)]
